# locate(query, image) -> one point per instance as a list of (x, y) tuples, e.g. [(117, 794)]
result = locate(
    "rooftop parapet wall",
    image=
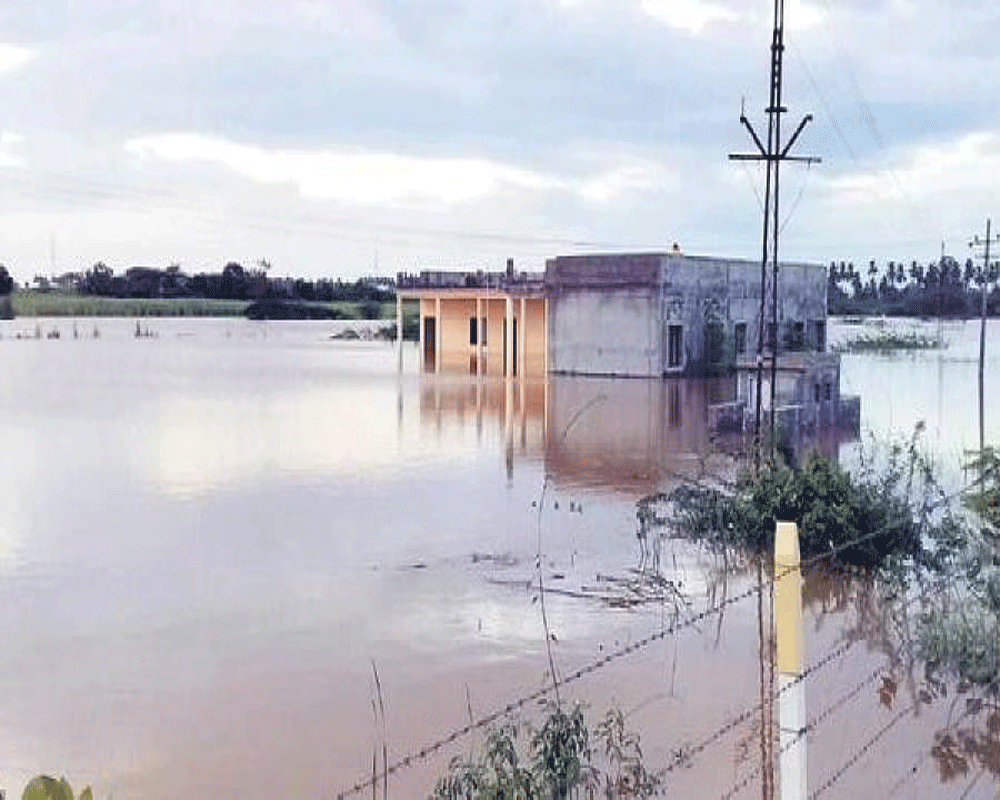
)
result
[(443, 279), (604, 270), (669, 269)]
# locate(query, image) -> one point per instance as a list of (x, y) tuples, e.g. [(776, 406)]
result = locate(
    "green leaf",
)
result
[(45, 788), (86, 794)]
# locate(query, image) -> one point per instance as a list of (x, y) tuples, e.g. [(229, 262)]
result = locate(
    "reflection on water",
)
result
[(210, 534), (634, 436)]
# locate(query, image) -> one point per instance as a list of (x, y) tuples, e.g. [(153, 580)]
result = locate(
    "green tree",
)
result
[(6, 282)]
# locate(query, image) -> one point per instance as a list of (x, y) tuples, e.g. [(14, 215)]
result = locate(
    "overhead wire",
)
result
[(146, 200), (867, 116), (69, 187), (972, 784)]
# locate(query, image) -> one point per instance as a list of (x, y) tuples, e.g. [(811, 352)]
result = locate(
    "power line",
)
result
[(867, 116), (127, 198), (70, 188)]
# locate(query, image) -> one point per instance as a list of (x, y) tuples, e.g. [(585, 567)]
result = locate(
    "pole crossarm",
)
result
[(788, 146), (772, 152), (753, 134), (755, 157)]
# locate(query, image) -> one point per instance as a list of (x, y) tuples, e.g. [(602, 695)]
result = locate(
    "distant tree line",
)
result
[(234, 282), (944, 288)]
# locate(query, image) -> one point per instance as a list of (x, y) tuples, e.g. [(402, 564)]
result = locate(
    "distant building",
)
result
[(69, 282)]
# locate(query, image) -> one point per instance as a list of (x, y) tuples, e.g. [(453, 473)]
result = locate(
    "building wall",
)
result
[(456, 351), (611, 315), (458, 354), (604, 331)]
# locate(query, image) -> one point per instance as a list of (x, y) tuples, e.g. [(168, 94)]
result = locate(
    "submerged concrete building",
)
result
[(661, 314), (483, 323), (639, 315)]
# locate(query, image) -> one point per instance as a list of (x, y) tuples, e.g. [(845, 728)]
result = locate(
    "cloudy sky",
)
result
[(341, 137)]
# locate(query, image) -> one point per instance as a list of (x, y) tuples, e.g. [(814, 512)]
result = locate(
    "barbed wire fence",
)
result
[(862, 751), (682, 756), (810, 726)]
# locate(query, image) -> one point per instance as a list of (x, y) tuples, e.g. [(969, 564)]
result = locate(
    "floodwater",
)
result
[(213, 537)]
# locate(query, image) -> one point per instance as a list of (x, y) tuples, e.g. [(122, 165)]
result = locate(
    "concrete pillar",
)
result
[(399, 329), (788, 632), (522, 338), (420, 335), (486, 332), (437, 334), (508, 343), (545, 336), (479, 337)]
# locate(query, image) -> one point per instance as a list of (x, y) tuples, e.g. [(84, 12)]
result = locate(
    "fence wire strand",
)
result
[(432, 748), (684, 757), (810, 726), (862, 751)]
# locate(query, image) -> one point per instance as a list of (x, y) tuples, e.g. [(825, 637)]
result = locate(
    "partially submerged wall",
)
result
[(652, 314), (604, 315)]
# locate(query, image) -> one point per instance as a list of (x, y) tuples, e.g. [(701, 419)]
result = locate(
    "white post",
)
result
[(788, 624)]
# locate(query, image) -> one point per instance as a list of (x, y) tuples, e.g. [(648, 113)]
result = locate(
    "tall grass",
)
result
[(30, 303)]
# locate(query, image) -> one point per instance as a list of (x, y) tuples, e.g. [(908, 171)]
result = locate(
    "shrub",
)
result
[(45, 788), (553, 762), (895, 513)]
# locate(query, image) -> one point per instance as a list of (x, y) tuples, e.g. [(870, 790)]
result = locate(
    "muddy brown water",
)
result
[(211, 535)]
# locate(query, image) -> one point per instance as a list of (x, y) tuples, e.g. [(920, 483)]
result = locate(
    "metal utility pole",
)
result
[(772, 154), (977, 242)]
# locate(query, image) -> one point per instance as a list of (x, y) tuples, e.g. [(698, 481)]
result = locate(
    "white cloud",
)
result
[(354, 177), (927, 172), (630, 178), (14, 57), (367, 178), (691, 16)]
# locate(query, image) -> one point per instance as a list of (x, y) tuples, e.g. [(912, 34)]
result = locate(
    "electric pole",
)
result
[(977, 242), (772, 154)]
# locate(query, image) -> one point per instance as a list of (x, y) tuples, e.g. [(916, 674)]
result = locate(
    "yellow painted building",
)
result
[(491, 324)]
